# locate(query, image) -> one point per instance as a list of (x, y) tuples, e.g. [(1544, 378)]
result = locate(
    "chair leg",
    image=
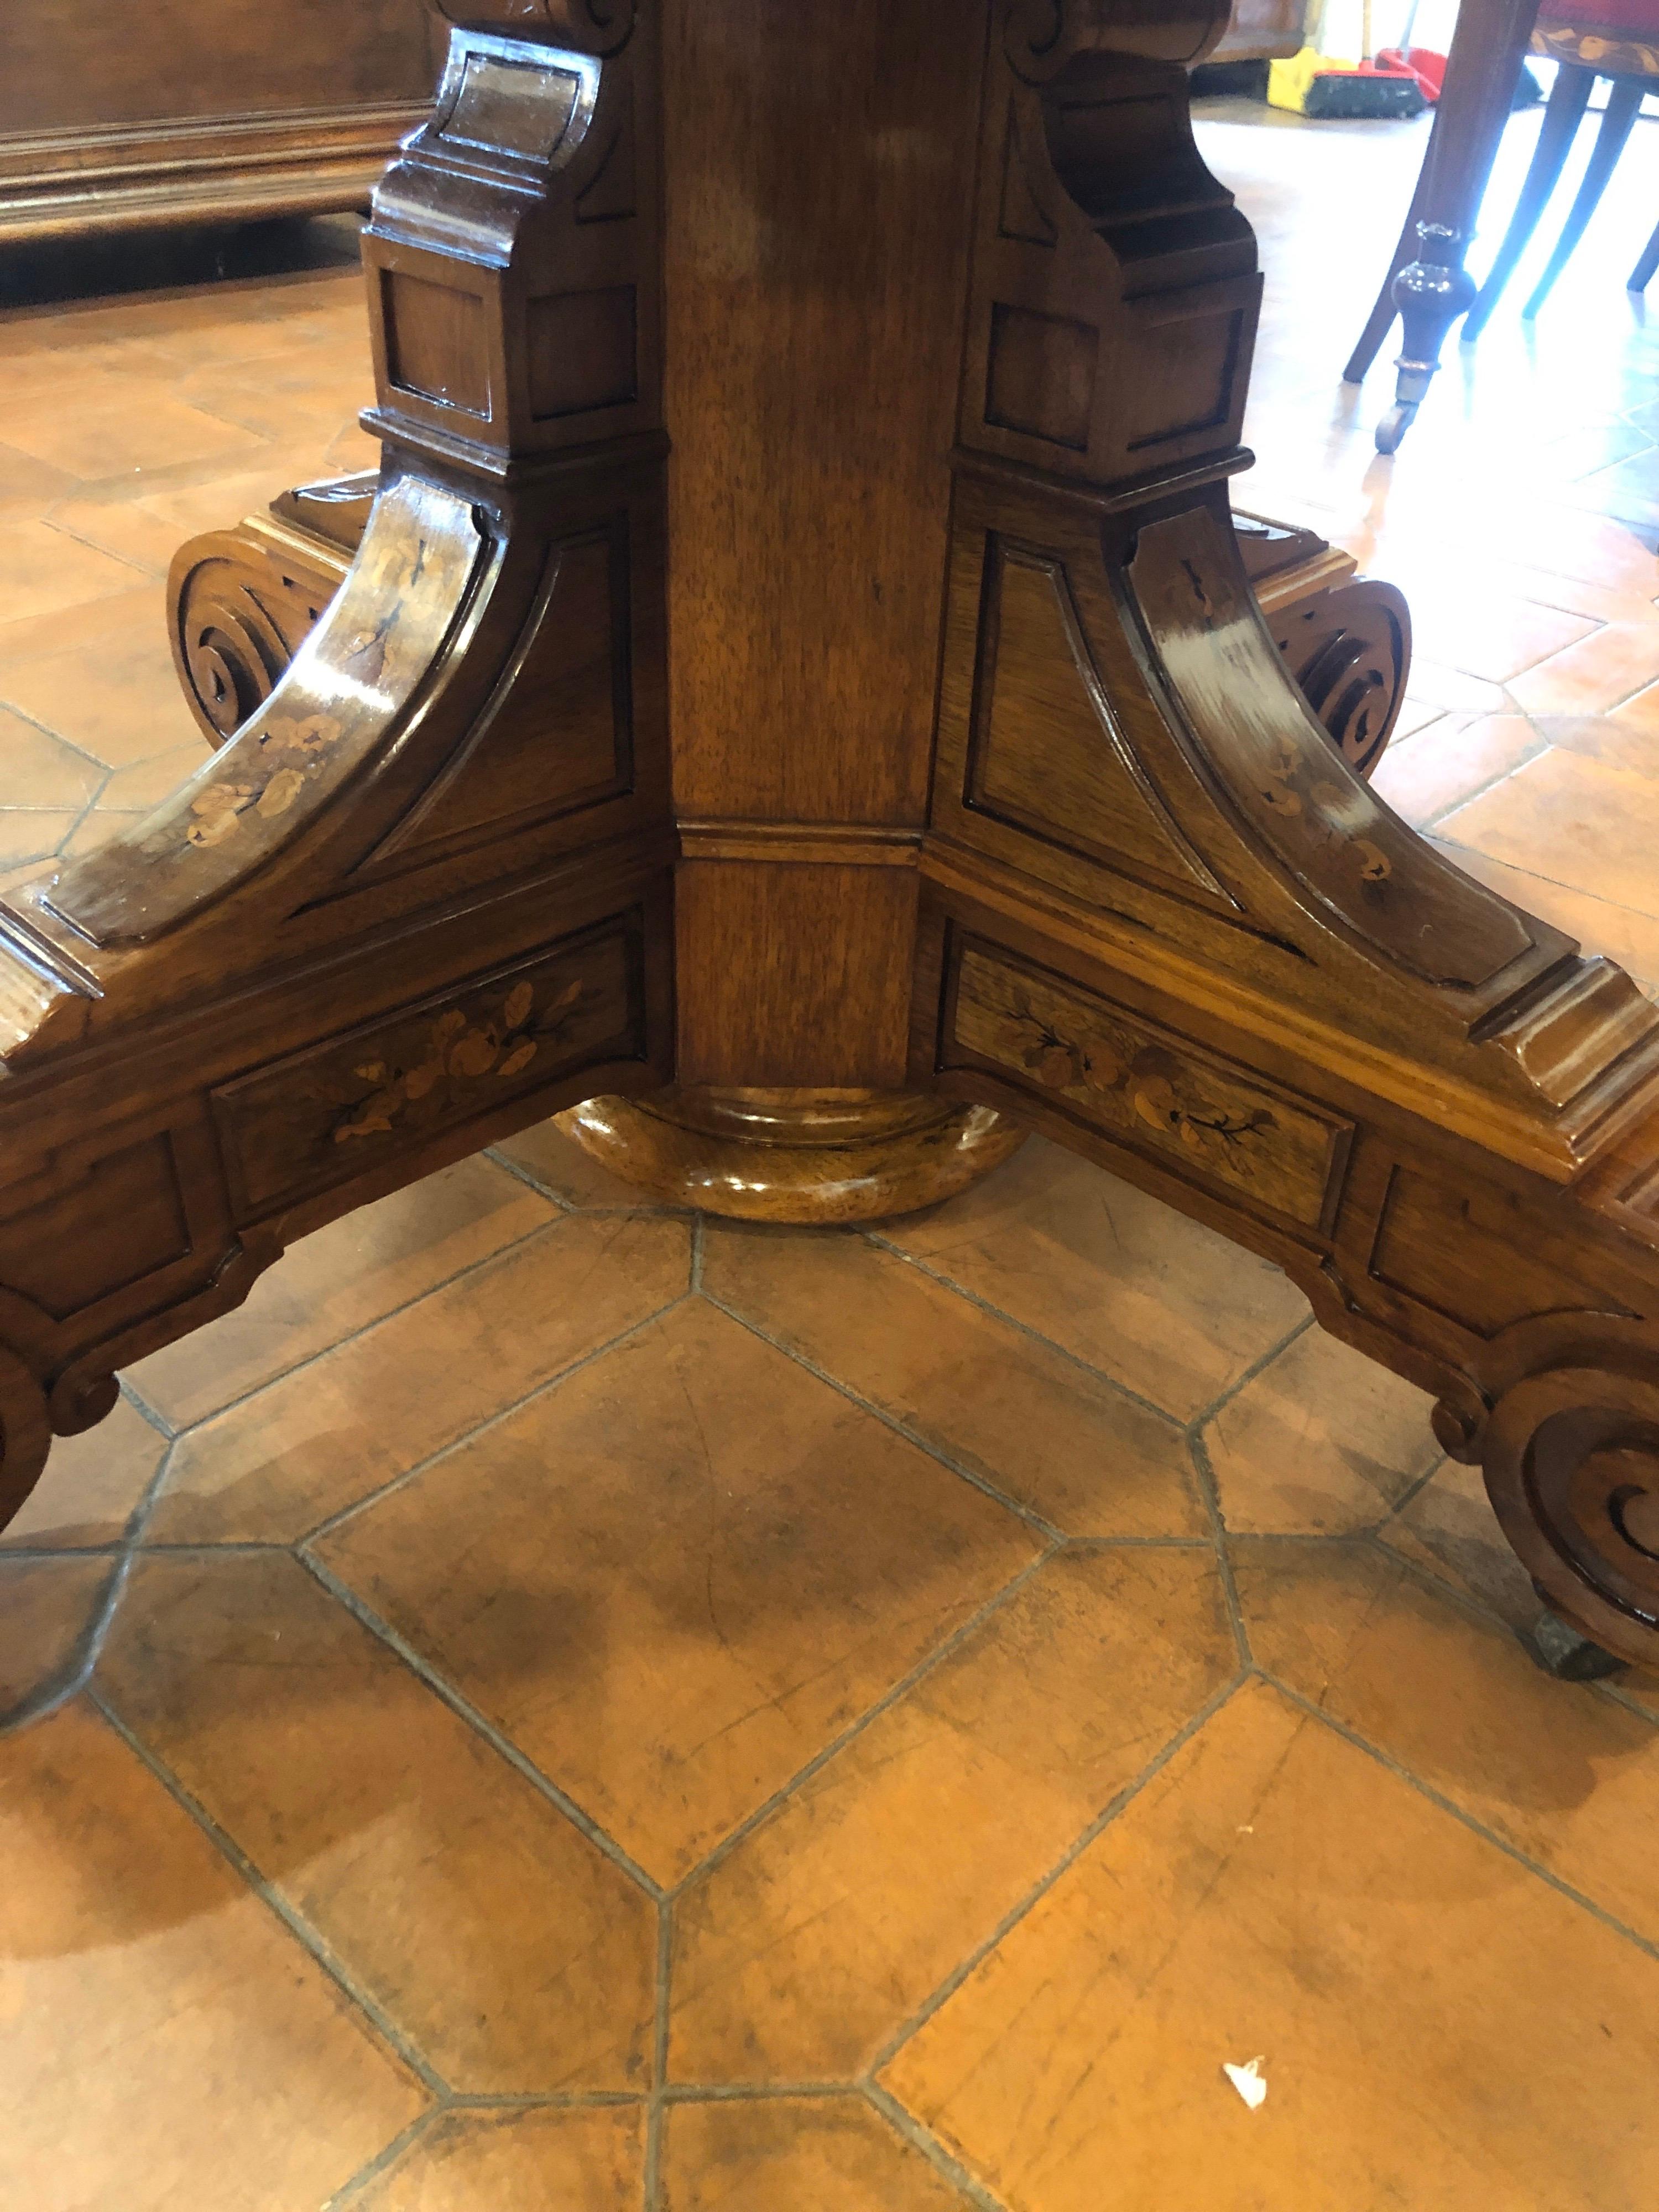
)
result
[(1645, 267), (1434, 289), (1623, 101), (1569, 97)]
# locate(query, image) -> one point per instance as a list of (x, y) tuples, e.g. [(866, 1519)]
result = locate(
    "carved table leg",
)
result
[(423, 896), (242, 600), (1163, 921)]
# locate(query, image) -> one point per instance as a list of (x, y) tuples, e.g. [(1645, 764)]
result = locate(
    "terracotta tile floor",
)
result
[(603, 1711)]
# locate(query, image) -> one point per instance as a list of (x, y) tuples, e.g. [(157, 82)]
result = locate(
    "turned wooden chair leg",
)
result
[(1624, 101), (1642, 273), (1428, 286), (1569, 97)]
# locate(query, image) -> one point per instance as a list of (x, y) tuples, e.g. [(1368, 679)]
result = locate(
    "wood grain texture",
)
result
[(817, 256), (837, 955)]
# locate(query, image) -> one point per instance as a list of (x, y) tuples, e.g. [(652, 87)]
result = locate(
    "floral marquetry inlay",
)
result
[(1154, 1090), (458, 1057)]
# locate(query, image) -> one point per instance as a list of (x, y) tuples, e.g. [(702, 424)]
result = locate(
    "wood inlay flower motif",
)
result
[(1145, 1078), (457, 1051)]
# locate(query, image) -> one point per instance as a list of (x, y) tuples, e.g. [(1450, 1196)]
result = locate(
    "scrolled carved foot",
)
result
[(1571, 1455)]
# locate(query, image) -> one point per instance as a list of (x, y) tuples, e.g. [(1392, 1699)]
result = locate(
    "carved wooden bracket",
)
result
[(424, 894), (1163, 922), (422, 897)]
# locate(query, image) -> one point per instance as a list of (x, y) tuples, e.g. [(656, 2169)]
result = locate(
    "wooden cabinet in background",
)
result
[(202, 110)]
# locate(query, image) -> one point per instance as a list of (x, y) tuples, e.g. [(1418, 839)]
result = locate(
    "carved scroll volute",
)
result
[(1570, 1449), (511, 256)]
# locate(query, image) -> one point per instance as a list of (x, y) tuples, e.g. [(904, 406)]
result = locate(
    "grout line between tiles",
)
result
[(105, 769), (924, 1667), (499, 1159), (309, 1938), (1392, 1765), (77, 1672), (1211, 1494), (1408, 1497), (654, 2114), (1246, 1376), (1045, 1528), (1432, 822), (384, 2158), (1020, 1327), (465, 1710), (920, 2138), (327, 1526), (1477, 1608), (328, 1351), (756, 2092), (1616, 1694), (550, 2101), (1074, 1851)]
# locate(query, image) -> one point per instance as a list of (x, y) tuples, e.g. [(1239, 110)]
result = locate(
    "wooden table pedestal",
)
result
[(882, 459)]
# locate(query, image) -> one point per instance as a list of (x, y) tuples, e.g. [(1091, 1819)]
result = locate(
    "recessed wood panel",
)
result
[(1475, 1255), (584, 351), (1143, 1085), (1186, 377), (71, 64), (563, 736), (1045, 753), (1040, 377), (434, 342), (329, 1112), (63, 1251)]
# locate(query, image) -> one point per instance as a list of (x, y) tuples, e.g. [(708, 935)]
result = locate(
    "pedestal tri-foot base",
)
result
[(802, 1156)]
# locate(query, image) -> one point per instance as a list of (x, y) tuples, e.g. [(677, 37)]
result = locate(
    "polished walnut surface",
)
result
[(597, 1579)]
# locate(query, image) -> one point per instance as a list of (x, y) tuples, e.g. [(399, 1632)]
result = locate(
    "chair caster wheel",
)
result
[(1395, 424)]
